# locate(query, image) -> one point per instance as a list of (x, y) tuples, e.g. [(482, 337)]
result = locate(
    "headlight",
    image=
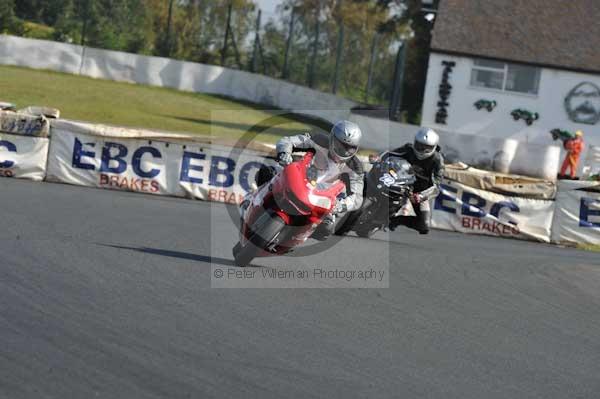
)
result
[(319, 200)]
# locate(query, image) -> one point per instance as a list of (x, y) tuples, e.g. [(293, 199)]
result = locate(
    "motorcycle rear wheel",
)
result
[(367, 233), (346, 225), (350, 222), (267, 227)]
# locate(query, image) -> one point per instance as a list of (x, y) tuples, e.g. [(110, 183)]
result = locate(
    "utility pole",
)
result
[(236, 53), (226, 40), (371, 62), (288, 45), (86, 17), (262, 57), (339, 50), (169, 21), (84, 29), (396, 98), (229, 32), (199, 6), (256, 44), (313, 58)]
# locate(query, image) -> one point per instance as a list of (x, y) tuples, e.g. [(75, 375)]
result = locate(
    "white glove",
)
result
[(284, 158)]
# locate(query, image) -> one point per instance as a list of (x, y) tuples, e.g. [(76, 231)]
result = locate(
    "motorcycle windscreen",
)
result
[(400, 168), (324, 182)]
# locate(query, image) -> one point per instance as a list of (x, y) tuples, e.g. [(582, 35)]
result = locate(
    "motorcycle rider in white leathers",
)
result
[(338, 148)]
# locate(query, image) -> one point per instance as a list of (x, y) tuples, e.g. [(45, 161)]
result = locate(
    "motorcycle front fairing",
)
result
[(301, 196), (397, 181)]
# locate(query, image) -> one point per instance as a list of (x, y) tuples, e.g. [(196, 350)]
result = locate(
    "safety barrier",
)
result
[(23, 146), (201, 168), (577, 215), (150, 162), (468, 210)]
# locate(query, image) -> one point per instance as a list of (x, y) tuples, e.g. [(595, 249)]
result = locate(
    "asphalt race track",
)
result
[(107, 294)]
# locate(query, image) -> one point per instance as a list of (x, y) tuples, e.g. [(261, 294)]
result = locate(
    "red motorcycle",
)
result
[(284, 213)]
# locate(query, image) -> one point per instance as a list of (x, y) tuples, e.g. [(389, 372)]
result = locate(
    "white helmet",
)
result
[(344, 140), (426, 142)]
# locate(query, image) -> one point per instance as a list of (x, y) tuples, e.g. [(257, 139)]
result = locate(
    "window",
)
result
[(504, 76)]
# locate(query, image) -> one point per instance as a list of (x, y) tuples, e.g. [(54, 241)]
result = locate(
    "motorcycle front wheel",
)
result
[(366, 229), (265, 230)]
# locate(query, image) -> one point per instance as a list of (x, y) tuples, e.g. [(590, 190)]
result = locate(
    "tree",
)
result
[(26, 9), (41, 11), (194, 30), (8, 21), (416, 63), (124, 25), (66, 27), (361, 19)]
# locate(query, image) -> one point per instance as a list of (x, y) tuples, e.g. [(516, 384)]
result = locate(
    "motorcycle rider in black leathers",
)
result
[(428, 164), (340, 148)]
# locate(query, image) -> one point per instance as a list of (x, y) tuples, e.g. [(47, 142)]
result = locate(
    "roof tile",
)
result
[(559, 33)]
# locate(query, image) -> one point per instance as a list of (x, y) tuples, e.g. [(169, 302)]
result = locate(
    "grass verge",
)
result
[(589, 247), (131, 105)]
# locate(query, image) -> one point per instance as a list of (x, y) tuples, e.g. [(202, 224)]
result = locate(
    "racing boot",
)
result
[(325, 229), (423, 222)]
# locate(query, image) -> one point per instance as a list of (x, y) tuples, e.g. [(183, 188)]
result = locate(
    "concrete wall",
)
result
[(164, 72), (40, 54)]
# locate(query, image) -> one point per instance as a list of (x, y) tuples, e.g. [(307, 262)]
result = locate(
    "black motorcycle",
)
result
[(387, 192)]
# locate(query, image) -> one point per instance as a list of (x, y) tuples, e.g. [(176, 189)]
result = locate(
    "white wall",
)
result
[(40, 54), (382, 134), (164, 72), (464, 118)]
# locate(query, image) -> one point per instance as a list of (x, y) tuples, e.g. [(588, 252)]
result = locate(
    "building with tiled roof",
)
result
[(515, 68)]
